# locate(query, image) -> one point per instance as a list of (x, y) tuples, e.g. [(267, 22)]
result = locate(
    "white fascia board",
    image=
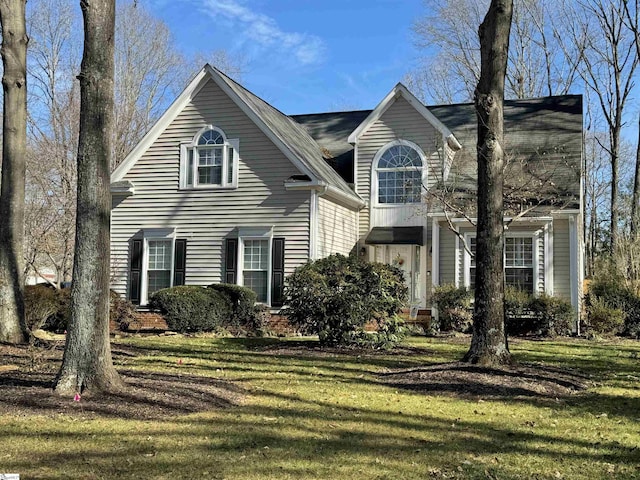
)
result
[(353, 201), (161, 124), (397, 91), (262, 125)]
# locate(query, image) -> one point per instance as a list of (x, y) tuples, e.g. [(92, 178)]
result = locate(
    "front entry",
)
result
[(407, 259)]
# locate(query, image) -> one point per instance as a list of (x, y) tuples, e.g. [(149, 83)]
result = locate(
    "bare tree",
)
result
[(536, 65), (608, 66), (489, 343), (14, 127), (87, 362)]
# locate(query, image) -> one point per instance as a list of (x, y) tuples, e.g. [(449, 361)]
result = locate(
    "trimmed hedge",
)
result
[(246, 317), (336, 296), (524, 313), (192, 308), (609, 289)]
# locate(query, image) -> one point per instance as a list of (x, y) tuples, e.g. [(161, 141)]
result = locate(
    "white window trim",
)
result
[(159, 234), (255, 233), (374, 173), (192, 146), (534, 235)]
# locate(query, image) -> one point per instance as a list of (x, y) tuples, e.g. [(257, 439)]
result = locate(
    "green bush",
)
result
[(246, 317), (554, 315), (611, 288), (40, 303), (59, 321), (336, 296), (602, 318), (191, 308), (454, 307)]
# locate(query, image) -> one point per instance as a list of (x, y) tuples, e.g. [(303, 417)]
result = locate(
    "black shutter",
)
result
[(135, 271), (231, 260), (179, 261), (277, 272)]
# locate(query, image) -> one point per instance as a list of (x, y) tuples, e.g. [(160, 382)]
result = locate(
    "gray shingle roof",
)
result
[(543, 139), (296, 138)]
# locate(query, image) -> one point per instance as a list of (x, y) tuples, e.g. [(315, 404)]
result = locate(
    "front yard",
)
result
[(251, 409)]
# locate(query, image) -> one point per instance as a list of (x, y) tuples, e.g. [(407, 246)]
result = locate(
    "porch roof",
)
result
[(395, 236)]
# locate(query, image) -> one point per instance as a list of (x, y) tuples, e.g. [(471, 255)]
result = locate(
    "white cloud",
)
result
[(265, 31)]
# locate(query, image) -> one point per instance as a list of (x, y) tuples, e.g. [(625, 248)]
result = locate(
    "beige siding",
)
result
[(337, 228), (561, 270), (206, 217), (400, 121), (447, 255)]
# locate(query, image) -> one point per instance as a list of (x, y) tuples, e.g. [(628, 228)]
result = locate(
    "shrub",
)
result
[(191, 308), (246, 317), (336, 296), (554, 315), (59, 321), (454, 307), (602, 318), (121, 311), (40, 303), (611, 288)]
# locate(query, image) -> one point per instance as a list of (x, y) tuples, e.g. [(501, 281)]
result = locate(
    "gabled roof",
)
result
[(544, 134), (401, 91), (291, 138)]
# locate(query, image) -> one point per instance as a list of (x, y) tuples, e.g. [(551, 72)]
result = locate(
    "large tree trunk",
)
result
[(14, 127), (489, 343), (87, 362)]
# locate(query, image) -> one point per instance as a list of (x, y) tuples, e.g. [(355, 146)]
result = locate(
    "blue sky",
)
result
[(304, 56)]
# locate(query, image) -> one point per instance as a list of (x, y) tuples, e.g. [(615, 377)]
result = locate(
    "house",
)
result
[(226, 188)]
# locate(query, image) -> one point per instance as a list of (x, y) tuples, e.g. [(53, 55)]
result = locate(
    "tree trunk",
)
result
[(615, 152), (14, 127), (489, 342), (87, 362)]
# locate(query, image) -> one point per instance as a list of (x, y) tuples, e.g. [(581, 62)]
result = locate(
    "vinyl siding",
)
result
[(447, 255), (206, 217), (561, 265), (337, 228), (400, 121)]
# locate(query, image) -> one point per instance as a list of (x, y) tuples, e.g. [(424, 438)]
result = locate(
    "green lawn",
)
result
[(310, 416)]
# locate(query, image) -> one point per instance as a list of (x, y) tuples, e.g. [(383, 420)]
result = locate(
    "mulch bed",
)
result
[(504, 382), (27, 375)]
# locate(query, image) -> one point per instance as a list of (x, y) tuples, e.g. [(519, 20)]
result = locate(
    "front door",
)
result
[(407, 259)]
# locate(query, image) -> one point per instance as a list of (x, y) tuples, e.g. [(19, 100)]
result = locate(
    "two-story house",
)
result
[(226, 188)]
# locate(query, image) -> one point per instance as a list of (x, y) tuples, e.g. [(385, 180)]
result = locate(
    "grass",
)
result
[(309, 416)]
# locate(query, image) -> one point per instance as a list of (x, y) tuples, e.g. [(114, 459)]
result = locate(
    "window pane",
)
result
[(211, 137), (158, 279), (401, 186), (159, 254), (210, 175), (521, 278), (257, 281)]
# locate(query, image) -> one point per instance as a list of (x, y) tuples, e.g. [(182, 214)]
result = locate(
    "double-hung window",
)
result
[(160, 257), (210, 160), (255, 271), (519, 262)]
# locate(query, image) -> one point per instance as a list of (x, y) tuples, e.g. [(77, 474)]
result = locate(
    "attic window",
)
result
[(399, 169), (210, 160)]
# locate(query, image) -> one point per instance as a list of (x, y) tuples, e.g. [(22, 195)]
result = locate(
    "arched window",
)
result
[(210, 160), (399, 171)]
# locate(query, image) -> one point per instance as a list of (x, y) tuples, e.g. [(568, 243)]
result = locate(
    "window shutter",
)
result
[(231, 260), (179, 262), (277, 272), (135, 271)]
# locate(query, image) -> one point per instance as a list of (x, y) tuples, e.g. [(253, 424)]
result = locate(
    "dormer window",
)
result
[(399, 173), (210, 160)]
